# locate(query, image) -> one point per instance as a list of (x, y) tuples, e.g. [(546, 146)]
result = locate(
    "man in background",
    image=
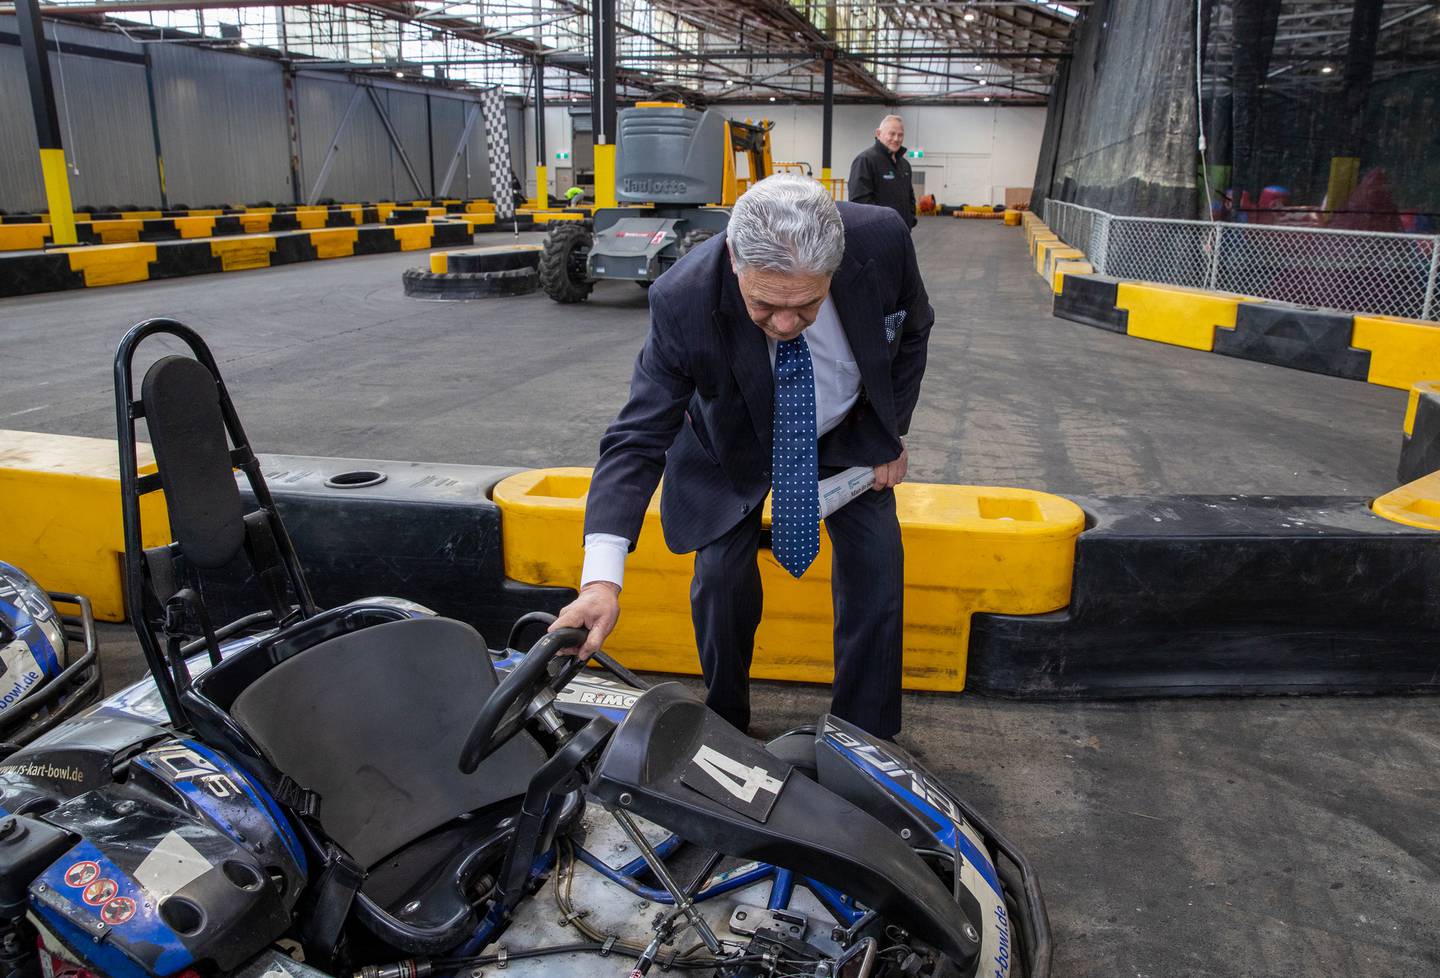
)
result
[(881, 174)]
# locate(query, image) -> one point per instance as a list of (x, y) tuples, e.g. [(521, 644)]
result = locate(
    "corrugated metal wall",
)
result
[(222, 126), (224, 130)]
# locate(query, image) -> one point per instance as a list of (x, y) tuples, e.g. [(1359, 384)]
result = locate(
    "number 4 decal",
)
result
[(741, 780)]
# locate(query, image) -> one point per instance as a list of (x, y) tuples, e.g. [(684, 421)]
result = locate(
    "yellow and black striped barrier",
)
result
[(1386, 350), (24, 273)]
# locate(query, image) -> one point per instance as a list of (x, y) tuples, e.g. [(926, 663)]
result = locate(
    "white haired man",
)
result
[(788, 348), (881, 174)]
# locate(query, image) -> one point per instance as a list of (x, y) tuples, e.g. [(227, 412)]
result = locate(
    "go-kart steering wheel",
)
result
[(510, 706)]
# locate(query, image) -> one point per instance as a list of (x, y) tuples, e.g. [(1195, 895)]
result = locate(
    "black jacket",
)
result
[(703, 393), (875, 178)]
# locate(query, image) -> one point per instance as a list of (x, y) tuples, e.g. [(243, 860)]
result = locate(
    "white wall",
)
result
[(972, 153)]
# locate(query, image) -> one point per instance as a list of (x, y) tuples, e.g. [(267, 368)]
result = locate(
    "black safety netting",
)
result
[(1316, 113)]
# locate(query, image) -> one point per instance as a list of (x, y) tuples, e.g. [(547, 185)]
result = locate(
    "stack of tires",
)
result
[(477, 273)]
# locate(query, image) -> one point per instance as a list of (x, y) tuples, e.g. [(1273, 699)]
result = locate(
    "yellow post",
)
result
[(542, 187), (1344, 175), (605, 175), (57, 195), (825, 179)]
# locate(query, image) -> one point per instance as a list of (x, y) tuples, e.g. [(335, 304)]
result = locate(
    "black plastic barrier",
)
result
[(1204, 595), (421, 531), (1420, 451), (1090, 299), (1317, 340)]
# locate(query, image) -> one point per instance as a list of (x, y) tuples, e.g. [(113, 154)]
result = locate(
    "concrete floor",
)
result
[(330, 358), (1225, 838)]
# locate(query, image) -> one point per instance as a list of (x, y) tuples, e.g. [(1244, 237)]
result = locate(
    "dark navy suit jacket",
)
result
[(703, 391)]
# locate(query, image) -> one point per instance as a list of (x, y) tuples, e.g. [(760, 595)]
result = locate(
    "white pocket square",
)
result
[(893, 322)]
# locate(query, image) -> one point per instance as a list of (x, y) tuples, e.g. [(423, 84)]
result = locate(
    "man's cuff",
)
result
[(604, 559)]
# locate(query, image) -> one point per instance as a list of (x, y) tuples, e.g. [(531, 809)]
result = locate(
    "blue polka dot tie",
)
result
[(795, 505)]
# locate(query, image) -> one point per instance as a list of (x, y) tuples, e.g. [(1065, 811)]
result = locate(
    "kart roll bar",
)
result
[(133, 485)]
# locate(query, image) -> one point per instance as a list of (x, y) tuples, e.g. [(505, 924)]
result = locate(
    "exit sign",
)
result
[(562, 155), (915, 154)]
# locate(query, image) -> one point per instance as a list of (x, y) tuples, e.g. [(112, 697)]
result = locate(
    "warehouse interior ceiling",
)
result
[(1312, 39), (892, 51)]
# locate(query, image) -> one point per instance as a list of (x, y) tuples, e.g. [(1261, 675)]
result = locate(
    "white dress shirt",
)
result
[(837, 388)]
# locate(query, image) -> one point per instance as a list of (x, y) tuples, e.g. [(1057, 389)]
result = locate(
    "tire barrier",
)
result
[(1420, 449), (480, 273), (1201, 595), (92, 266)]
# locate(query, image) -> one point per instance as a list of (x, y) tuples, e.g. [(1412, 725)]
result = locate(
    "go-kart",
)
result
[(368, 790), (43, 680)]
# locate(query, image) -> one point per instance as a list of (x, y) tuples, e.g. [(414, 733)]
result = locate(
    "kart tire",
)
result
[(566, 244), (421, 284), (693, 239)]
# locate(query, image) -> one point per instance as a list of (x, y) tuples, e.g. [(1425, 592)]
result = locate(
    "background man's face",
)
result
[(891, 134), (782, 304)]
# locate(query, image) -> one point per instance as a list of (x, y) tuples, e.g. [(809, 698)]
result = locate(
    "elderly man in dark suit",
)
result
[(782, 351)]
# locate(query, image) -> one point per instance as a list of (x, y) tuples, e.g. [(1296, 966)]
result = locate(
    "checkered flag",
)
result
[(497, 143)]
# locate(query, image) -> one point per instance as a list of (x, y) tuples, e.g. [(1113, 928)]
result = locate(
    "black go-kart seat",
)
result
[(361, 709), (372, 721)]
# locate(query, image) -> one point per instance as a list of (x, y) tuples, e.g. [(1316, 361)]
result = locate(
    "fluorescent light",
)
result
[(1326, 70), (979, 67), (969, 15)]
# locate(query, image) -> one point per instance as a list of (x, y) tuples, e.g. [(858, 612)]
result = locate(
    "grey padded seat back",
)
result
[(373, 722)]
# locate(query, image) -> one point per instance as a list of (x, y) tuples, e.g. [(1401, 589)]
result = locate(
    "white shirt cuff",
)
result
[(604, 559)]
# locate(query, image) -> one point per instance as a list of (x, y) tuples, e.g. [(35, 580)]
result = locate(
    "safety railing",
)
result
[(1355, 271)]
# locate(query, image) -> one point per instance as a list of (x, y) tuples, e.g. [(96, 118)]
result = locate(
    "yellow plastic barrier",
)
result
[(967, 549), (439, 263), (414, 237), (1062, 267), (255, 223), (1012, 219), (23, 237), (1402, 351), (1175, 315), (1047, 251), (243, 253), (118, 232), (310, 219), (1414, 504), (195, 227), (61, 500), (334, 242), (1038, 234), (112, 264), (1413, 404)]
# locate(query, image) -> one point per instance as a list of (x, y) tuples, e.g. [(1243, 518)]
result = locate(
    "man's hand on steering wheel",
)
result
[(596, 608)]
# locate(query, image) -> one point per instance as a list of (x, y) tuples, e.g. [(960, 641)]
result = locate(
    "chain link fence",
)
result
[(1355, 271)]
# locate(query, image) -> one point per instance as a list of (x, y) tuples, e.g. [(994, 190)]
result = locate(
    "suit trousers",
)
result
[(867, 581)]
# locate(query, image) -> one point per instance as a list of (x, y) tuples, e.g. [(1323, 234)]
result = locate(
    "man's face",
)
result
[(780, 303), (891, 134)]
